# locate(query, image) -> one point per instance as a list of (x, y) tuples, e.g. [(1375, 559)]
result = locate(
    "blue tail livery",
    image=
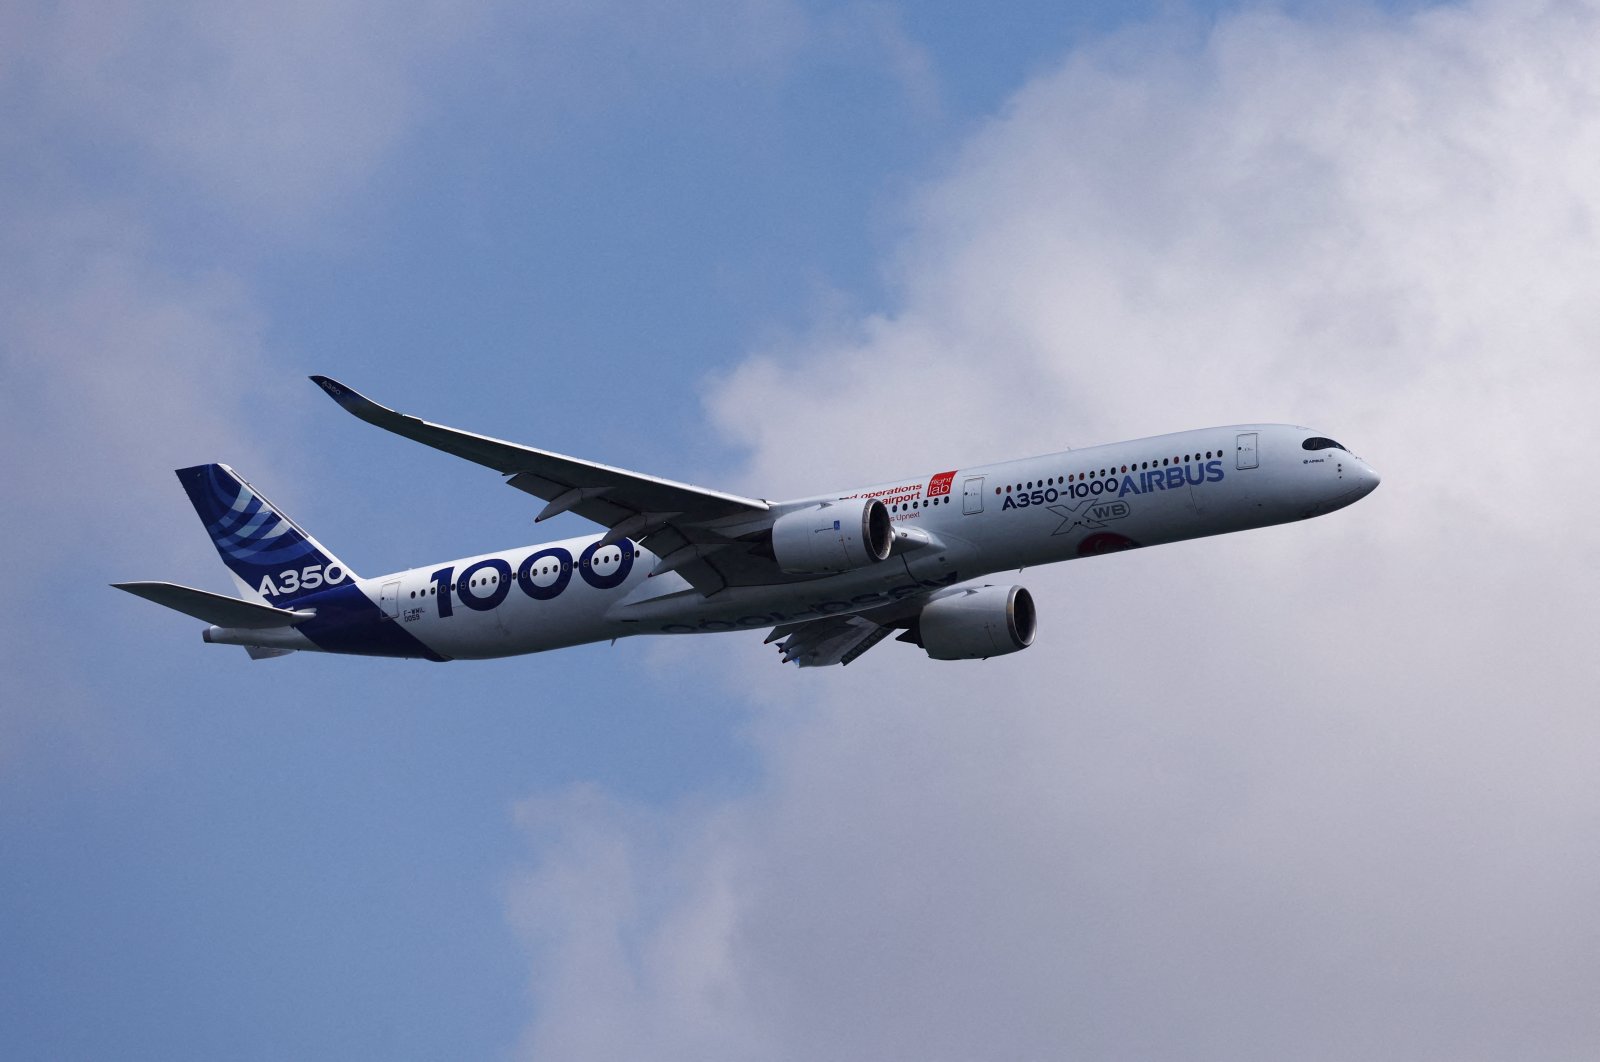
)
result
[(271, 557)]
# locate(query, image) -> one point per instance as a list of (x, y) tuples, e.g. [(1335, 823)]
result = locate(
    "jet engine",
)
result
[(833, 537), (978, 623)]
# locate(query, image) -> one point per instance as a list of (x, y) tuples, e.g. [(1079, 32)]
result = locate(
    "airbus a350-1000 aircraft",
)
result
[(831, 575)]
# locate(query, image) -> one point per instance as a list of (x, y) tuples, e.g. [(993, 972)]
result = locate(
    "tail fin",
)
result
[(271, 557)]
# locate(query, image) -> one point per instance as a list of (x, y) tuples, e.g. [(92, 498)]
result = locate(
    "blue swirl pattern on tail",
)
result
[(272, 558)]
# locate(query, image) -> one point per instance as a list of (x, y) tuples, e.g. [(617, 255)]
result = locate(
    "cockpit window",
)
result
[(1317, 442)]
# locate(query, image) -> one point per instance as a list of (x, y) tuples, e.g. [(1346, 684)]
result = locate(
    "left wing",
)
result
[(218, 609), (712, 539)]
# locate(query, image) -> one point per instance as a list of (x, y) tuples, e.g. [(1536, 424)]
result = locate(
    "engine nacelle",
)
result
[(834, 537), (979, 623)]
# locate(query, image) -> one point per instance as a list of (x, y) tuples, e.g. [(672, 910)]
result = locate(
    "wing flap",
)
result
[(841, 639), (825, 642)]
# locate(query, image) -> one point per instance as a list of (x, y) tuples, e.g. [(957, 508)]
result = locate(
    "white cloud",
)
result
[(131, 337), (276, 109), (1314, 791), (127, 346), (116, 372)]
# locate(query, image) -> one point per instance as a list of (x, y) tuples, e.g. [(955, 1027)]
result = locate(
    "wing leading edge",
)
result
[(695, 531)]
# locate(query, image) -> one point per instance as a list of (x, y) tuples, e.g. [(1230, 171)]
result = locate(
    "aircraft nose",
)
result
[(1366, 478)]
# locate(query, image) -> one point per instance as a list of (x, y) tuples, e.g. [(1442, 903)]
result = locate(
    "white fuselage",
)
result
[(951, 527)]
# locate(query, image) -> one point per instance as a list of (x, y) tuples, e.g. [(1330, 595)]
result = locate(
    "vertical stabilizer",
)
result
[(271, 557)]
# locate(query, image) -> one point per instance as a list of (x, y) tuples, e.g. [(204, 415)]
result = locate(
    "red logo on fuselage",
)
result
[(939, 485)]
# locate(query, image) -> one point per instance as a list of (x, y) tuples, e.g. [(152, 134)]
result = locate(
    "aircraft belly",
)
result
[(519, 625), (349, 619)]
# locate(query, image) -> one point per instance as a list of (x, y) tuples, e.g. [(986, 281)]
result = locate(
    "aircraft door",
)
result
[(389, 599), (1245, 451), (972, 495)]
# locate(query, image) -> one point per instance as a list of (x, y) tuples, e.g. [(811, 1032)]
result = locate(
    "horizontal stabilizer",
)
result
[(218, 609), (261, 652)]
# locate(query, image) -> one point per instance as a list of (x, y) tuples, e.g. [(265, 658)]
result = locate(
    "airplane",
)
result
[(830, 575)]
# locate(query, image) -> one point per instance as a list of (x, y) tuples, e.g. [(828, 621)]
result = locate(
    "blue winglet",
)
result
[(341, 394)]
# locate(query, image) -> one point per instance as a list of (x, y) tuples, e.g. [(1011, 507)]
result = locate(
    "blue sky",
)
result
[(1325, 783)]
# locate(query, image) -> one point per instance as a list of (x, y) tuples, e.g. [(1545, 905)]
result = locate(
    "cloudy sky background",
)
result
[(1319, 791)]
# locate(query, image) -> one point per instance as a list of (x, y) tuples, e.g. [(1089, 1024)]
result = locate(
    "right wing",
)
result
[(710, 538), (841, 639), (823, 642)]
